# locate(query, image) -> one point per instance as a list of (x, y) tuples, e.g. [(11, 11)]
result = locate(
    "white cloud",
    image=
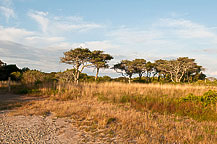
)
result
[(168, 38), (187, 29), (29, 56), (144, 43), (80, 27), (29, 37), (136, 36), (43, 41), (101, 45), (6, 9), (40, 18), (60, 24), (165, 38), (7, 12), (13, 34)]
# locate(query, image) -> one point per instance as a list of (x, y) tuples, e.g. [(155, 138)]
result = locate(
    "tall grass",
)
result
[(141, 113), (5, 83)]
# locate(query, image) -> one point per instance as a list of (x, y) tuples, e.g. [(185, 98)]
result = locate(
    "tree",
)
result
[(79, 58), (194, 74), (16, 75), (139, 66), (33, 77), (178, 68), (65, 76), (126, 68), (25, 69), (6, 70), (2, 63), (100, 60), (149, 66), (158, 68)]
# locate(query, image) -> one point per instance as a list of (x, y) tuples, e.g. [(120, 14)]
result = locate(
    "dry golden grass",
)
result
[(100, 106), (116, 90), (5, 83)]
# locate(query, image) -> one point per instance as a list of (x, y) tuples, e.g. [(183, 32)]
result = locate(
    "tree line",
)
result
[(7, 70), (182, 69)]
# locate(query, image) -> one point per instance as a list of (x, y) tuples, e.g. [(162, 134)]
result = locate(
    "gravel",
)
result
[(43, 130)]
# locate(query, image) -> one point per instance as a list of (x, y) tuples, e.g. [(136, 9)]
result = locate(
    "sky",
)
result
[(35, 33)]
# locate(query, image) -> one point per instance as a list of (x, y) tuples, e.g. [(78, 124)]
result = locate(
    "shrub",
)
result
[(206, 99), (105, 78), (33, 77), (66, 76), (16, 76)]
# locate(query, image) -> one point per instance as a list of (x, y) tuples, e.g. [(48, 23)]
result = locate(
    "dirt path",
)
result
[(39, 129), (8, 97)]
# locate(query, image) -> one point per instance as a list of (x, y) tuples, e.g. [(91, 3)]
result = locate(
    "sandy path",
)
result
[(38, 129)]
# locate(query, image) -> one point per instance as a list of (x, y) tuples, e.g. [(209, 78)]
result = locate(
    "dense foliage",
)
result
[(6, 70)]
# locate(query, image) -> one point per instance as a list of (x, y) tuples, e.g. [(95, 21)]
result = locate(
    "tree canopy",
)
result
[(182, 69), (126, 68), (100, 60), (139, 66), (79, 58), (179, 68)]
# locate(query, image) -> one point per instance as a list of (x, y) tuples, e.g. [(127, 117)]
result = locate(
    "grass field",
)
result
[(141, 113)]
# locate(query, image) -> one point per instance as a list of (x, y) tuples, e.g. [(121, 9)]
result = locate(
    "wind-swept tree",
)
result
[(79, 58), (194, 74), (100, 60), (158, 68), (139, 66), (126, 68), (178, 68), (149, 66)]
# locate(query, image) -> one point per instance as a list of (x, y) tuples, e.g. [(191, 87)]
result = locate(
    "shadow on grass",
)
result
[(9, 101), (9, 105)]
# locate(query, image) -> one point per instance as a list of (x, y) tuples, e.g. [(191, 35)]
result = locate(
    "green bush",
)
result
[(206, 99), (26, 90), (16, 76)]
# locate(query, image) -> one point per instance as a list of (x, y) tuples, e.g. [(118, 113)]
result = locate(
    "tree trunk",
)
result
[(77, 77), (188, 78), (180, 78), (147, 77), (130, 79), (171, 77), (140, 76), (97, 72), (158, 79), (153, 76), (177, 78)]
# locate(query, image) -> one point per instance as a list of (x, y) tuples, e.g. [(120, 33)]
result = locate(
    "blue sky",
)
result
[(35, 33)]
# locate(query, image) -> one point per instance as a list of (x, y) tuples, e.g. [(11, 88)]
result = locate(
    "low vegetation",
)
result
[(152, 113)]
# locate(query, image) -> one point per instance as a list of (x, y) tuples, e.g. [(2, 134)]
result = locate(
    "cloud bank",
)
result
[(165, 38)]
